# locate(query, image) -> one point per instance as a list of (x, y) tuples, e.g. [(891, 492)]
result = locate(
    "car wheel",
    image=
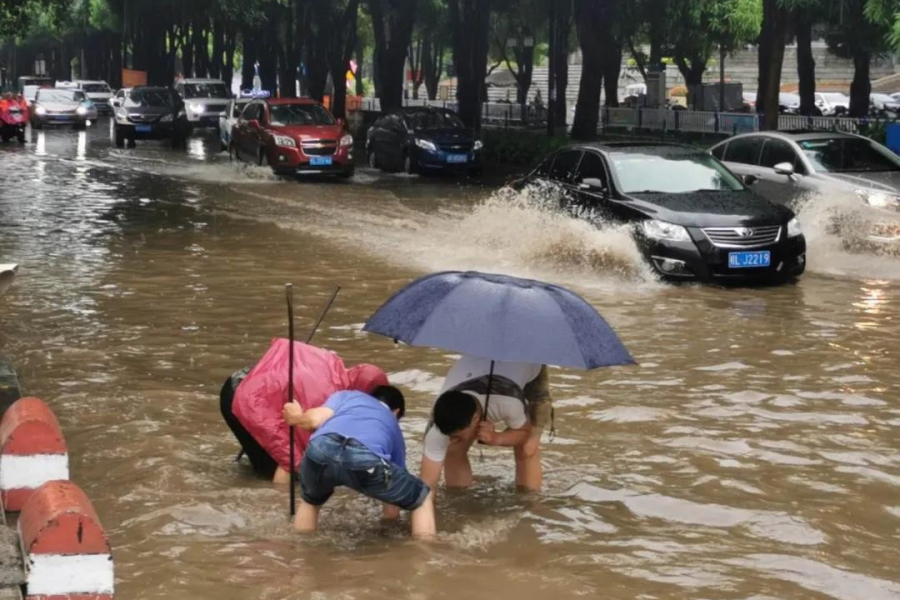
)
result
[(119, 138), (233, 152), (373, 159), (263, 159), (21, 136), (131, 143)]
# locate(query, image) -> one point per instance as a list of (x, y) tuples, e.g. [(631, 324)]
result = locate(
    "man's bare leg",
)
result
[(529, 472), (282, 477), (307, 518), (423, 521), (457, 468)]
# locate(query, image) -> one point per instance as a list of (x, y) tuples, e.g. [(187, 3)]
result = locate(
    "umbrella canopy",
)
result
[(500, 318)]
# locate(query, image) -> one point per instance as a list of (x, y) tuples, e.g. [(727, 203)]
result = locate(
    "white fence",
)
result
[(497, 113), (712, 122)]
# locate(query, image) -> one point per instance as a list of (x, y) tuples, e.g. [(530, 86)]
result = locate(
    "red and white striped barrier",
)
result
[(67, 553), (32, 451)]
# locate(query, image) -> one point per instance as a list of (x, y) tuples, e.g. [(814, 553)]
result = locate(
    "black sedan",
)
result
[(423, 140), (693, 219), (151, 113)]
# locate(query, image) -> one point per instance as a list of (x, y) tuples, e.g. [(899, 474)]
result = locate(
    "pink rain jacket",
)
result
[(318, 374)]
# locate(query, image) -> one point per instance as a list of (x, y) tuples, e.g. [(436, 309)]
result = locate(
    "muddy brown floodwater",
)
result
[(753, 454)]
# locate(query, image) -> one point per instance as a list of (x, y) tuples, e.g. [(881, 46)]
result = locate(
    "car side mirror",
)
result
[(786, 169), (253, 124), (593, 184), (116, 103), (750, 180)]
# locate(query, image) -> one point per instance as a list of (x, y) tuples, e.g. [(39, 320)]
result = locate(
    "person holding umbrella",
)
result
[(463, 413), (506, 327)]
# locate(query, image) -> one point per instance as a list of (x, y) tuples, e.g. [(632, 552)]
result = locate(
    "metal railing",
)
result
[(494, 113), (716, 123)]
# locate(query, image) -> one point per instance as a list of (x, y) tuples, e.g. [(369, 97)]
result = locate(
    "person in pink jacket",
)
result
[(252, 400)]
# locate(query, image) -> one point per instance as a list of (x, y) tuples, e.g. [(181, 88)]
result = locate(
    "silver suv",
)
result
[(847, 170), (205, 100)]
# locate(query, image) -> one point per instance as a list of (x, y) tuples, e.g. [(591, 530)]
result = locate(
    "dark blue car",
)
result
[(423, 140)]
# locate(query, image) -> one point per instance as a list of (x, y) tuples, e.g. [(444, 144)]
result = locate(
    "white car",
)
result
[(117, 100), (227, 120), (205, 100), (884, 104), (832, 103)]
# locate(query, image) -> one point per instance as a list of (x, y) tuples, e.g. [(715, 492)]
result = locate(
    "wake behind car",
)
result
[(426, 139), (62, 107), (150, 113), (692, 218), (294, 136), (205, 100)]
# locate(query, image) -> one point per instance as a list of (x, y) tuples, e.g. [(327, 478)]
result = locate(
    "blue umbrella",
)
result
[(500, 318)]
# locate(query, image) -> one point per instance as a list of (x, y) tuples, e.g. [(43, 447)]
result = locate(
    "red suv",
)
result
[(294, 136)]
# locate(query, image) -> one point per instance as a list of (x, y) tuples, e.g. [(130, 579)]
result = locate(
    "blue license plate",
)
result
[(749, 260), (321, 161), (143, 128), (457, 158)]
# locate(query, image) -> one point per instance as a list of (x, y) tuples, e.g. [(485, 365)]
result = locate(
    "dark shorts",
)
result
[(332, 461)]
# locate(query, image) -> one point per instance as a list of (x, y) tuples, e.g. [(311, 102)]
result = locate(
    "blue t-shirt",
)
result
[(363, 418)]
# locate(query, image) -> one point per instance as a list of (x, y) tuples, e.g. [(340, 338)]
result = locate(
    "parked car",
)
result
[(227, 120), (692, 218), (885, 105), (793, 167), (62, 107), (832, 104), (205, 100), (427, 139), (294, 136), (150, 113)]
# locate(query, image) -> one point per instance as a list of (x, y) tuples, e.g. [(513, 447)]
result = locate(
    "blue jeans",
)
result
[(332, 460)]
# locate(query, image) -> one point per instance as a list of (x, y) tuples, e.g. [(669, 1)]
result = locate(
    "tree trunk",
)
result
[(772, 42), (230, 48), (692, 69), (216, 63), (524, 73), (248, 35), (806, 64), (563, 39), (591, 21), (187, 53), (392, 22), (722, 55), (861, 88), (470, 21), (612, 71), (360, 71), (288, 71), (433, 66)]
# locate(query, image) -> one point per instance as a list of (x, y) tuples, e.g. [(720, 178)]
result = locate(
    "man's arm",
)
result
[(430, 472), (507, 439), (310, 420)]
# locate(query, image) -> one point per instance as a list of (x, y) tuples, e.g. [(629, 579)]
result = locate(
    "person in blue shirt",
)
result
[(358, 444)]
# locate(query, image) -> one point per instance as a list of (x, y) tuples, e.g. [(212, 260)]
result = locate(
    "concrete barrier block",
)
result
[(32, 451), (67, 553)]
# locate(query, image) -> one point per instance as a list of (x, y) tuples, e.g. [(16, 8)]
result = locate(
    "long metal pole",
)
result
[(289, 290)]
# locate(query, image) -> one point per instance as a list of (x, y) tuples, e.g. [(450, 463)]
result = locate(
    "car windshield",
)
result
[(206, 90), (848, 155), (433, 119), (299, 114), (61, 96), (96, 88), (149, 98), (676, 174)]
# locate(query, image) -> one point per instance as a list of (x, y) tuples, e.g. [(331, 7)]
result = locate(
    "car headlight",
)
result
[(284, 141), (81, 110), (660, 230), (347, 140), (879, 199), (40, 110), (426, 145), (198, 108), (166, 119), (794, 229), (478, 145)]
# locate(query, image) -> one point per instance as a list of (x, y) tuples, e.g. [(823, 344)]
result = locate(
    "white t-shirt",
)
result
[(502, 409)]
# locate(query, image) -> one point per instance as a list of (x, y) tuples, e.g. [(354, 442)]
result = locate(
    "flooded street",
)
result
[(753, 454)]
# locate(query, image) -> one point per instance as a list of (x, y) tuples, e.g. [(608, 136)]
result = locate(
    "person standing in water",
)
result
[(520, 400), (357, 443)]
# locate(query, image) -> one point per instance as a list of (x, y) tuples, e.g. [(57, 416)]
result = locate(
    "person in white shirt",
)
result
[(519, 402)]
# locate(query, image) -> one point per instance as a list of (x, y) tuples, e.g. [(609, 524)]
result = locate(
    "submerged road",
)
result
[(754, 453)]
